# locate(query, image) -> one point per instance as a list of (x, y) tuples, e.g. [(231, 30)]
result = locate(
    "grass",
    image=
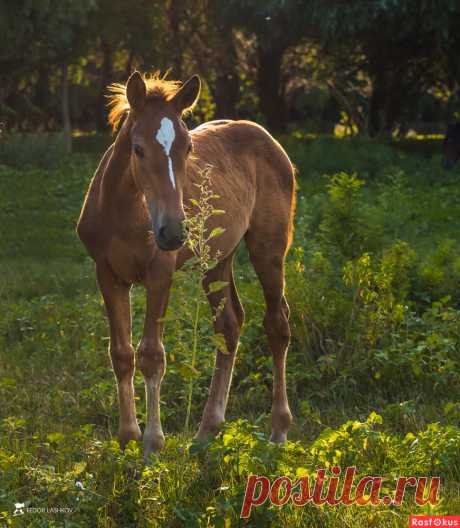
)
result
[(373, 372)]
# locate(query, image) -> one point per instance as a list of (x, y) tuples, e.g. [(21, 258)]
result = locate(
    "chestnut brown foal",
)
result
[(132, 224)]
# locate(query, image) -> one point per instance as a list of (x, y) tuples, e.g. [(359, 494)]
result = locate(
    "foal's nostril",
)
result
[(162, 232)]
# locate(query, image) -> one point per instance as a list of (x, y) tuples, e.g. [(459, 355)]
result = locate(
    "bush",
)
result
[(37, 150)]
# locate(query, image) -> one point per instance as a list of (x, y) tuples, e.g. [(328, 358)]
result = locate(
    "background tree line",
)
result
[(376, 66)]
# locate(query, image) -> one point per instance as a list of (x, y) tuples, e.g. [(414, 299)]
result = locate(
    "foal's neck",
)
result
[(117, 181)]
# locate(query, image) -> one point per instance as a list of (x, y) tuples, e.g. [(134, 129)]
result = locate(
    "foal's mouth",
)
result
[(170, 246)]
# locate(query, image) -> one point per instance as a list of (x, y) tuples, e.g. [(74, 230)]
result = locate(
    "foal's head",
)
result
[(160, 144), (451, 146)]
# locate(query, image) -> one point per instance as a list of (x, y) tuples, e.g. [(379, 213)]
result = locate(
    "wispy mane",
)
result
[(158, 88)]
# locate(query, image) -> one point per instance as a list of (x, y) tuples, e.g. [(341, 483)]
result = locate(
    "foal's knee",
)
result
[(229, 324), (239, 311), (276, 322), (285, 307), (151, 359), (122, 357)]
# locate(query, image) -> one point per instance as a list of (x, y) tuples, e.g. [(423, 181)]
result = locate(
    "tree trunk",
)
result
[(129, 64), (42, 96), (174, 13), (269, 87), (393, 110), (67, 128), (226, 95), (226, 89), (386, 103), (376, 105), (105, 78), (352, 108)]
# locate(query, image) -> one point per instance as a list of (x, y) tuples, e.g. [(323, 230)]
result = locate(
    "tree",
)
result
[(121, 35), (394, 44), (43, 33), (213, 46), (277, 26)]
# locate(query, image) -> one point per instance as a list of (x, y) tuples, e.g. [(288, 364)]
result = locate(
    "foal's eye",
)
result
[(189, 148), (138, 151)]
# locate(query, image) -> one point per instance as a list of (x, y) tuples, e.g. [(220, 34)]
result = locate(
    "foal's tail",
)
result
[(293, 206)]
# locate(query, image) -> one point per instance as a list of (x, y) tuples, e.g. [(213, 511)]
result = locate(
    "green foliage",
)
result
[(380, 34), (309, 63), (39, 150), (341, 225), (373, 368), (98, 481), (440, 273)]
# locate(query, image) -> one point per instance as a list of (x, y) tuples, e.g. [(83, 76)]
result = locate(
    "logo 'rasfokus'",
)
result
[(435, 520)]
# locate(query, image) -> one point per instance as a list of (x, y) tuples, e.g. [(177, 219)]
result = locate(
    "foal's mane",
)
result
[(158, 88)]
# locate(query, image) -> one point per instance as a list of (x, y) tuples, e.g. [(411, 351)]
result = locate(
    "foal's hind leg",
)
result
[(269, 267), (228, 322)]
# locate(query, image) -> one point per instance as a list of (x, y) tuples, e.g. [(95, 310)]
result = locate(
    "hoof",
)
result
[(278, 437), (209, 429), (281, 421), (204, 436), (129, 433), (153, 443)]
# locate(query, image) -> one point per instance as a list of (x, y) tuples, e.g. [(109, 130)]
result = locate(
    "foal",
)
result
[(132, 224)]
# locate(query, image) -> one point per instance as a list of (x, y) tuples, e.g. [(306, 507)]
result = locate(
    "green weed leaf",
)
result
[(217, 286)]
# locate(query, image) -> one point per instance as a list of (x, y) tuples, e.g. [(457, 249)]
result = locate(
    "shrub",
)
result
[(38, 150)]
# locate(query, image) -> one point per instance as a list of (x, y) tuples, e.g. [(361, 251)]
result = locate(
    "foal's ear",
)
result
[(188, 94), (136, 91)]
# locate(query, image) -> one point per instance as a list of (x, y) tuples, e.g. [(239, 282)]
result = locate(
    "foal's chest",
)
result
[(127, 260)]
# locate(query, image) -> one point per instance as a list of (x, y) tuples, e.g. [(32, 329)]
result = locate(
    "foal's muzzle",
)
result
[(170, 230), (171, 235)]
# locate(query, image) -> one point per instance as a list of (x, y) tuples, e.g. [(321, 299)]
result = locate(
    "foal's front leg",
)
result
[(117, 302), (228, 321), (151, 354)]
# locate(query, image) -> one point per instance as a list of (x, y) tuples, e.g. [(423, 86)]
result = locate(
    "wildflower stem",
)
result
[(193, 361)]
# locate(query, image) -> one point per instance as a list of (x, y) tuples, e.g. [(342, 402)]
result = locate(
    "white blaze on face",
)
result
[(165, 137)]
